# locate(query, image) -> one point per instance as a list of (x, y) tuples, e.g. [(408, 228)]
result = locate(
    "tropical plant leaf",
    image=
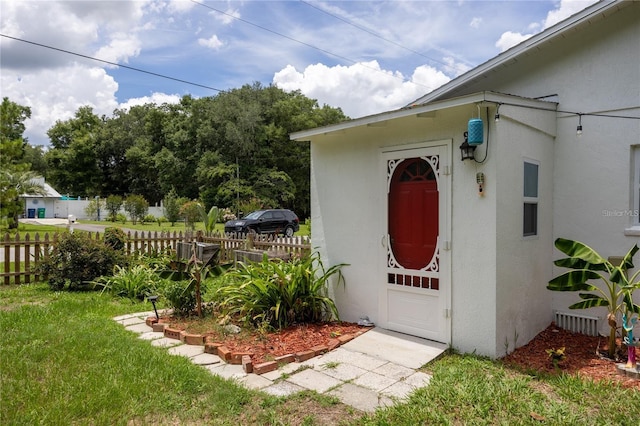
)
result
[(590, 303), (589, 296), (629, 304), (576, 263), (618, 274), (574, 281), (579, 250)]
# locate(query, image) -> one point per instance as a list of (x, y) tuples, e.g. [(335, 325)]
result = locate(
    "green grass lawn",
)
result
[(63, 360)]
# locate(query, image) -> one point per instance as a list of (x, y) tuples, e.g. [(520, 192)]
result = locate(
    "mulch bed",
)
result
[(266, 346), (582, 353), (583, 356)]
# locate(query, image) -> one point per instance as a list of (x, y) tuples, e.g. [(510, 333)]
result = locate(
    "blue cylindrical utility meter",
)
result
[(476, 133)]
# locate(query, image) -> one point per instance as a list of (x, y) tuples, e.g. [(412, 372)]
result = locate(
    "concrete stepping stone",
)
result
[(342, 371), (254, 381), (227, 371), (206, 359), (139, 328), (360, 398), (314, 380), (374, 381), (186, 350), (165, 342), (131, 321), (151, 335), (394, 371), (283, 388)]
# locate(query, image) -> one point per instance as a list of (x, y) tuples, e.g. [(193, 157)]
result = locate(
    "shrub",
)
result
[(137, 282), (156, 259), (113, 205), (190, 212), (115, 238), (136, 206), (280, 293), (180, 296), (77, 259), (149, 218), (121, 218)]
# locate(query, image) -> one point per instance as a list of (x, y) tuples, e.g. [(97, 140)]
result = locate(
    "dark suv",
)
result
[(278, 221)]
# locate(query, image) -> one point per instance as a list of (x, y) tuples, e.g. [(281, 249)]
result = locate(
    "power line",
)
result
[(113, 63), (368, 31), (344, 58)]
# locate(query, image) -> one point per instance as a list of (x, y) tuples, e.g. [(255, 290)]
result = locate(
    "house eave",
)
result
[(426, 110)]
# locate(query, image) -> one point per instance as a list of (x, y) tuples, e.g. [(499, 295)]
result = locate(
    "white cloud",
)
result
[(213, 42), (565, 9), (55, 94), (509, 39), (371, 90), (475, 22), (155, 98), (121, 47), (227, 17)]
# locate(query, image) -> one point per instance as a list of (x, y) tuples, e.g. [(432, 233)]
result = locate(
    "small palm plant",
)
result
[(280, 293), (586, 264)]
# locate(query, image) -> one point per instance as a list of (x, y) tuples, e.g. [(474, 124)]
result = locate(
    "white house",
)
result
[(41, 206), (460, 252)]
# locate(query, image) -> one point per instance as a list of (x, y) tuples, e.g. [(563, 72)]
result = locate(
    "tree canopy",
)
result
[(223, 150), (16, 178)]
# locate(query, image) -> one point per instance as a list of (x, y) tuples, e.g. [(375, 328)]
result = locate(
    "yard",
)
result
[(65, 361)]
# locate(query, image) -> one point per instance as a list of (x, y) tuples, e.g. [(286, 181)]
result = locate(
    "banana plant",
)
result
[(209, 219), (584, 265)]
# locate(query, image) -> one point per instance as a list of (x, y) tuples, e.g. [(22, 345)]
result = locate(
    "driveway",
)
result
[(90, 227)]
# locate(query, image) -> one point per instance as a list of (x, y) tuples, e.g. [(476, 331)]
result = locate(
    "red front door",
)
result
[(413, 213)]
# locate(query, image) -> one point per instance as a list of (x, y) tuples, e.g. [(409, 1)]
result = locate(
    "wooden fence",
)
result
[(20, 255)]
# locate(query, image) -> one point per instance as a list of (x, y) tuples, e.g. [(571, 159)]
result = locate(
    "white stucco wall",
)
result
[(346, 201), (595, 70), (523, 263)]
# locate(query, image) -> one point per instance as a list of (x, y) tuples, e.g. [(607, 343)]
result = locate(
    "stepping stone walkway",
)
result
[(356, 373)]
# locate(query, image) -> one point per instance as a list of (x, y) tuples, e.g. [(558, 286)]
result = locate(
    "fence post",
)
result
[(7, 260)]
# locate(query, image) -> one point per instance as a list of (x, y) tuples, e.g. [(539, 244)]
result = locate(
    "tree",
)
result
[(94, 207), (136, 206), (12, 142), (113, 205), (197, 146), (190, 212), (72, 160), (172, 206), (12, 186)]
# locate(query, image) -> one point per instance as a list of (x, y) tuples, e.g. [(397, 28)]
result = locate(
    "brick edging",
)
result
[(244, 358)]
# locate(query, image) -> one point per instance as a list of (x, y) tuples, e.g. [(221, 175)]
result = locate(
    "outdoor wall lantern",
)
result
[(153, 300), (467, 151), (473, 137)]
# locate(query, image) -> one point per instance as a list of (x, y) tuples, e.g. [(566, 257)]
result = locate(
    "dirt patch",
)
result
[(582, 357)]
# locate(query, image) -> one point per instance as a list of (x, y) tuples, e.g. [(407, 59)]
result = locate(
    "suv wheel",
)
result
[(288, 231)]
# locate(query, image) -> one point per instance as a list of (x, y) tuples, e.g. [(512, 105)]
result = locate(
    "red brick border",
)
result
[(244, 358)]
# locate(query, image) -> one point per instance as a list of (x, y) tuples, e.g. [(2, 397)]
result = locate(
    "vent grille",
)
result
[(582, 324)]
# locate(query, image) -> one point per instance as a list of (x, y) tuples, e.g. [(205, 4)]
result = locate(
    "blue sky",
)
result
[(365, 57)]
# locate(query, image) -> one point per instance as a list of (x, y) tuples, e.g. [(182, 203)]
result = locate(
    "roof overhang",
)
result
[(427, 110)]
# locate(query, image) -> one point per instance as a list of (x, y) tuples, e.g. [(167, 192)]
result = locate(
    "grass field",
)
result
[(65, 361)]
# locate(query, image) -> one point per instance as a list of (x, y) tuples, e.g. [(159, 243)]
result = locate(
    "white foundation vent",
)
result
[(582, 324)]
